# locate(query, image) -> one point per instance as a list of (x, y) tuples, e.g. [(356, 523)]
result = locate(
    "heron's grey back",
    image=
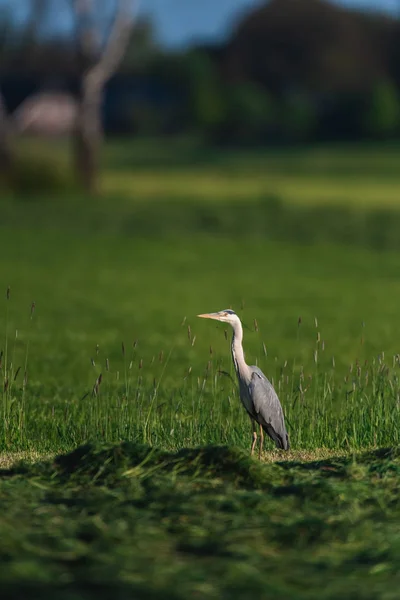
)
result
[(268, 409)]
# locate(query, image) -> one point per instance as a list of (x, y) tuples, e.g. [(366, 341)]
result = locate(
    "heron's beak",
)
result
[(215, 316)]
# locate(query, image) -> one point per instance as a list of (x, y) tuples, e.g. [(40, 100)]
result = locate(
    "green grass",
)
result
[(117, 284), (360, 177), (336, 372), (130, 521), (142, 171)]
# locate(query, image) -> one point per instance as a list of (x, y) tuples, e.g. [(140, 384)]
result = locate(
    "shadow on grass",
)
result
[(91, 590), (111, 463), (265, 217), (130, 521)]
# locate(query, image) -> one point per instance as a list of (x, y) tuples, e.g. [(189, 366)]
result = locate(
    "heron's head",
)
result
[(226, 316)]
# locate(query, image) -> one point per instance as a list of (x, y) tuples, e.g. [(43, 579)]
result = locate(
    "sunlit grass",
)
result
[(319, 337), (356, 176), (8, 460), (212, 186)]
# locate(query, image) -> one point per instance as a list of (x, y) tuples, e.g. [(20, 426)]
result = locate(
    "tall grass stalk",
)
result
[(22, 411), (6, 382), (14, 397)]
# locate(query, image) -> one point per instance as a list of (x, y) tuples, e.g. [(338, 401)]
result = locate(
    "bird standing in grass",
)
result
[(256, 392)]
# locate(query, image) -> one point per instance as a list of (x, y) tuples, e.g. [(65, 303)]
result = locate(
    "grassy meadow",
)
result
[(105, 365)]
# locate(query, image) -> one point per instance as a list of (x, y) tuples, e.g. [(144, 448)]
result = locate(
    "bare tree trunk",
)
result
[(87, 135), (96, 68)]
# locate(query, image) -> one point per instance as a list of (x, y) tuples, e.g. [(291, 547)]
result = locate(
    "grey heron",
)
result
[(256, 392)]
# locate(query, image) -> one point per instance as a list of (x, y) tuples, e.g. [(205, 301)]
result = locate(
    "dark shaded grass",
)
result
[(127, 154), (344, 160), (265, 217), (208, 522)]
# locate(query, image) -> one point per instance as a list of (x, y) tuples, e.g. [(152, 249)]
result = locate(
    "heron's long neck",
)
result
[(237, 350)]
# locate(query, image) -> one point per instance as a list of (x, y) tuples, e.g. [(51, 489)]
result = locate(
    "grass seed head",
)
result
[(96, 386)]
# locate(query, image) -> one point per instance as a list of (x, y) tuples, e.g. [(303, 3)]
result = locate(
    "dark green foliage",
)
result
[(251, 114), (382, 114), (206, 100), (133, 522), (298, 118)]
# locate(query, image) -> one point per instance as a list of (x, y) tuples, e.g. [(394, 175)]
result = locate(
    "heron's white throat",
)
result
[(237, 349)]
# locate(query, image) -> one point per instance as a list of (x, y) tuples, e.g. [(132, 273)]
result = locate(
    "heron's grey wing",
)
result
[(268, 408)]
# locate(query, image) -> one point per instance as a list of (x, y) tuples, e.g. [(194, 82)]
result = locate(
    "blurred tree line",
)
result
[(298, 71), (292, 71)]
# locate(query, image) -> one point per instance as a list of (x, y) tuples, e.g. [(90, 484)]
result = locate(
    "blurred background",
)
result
[(235, 73)]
